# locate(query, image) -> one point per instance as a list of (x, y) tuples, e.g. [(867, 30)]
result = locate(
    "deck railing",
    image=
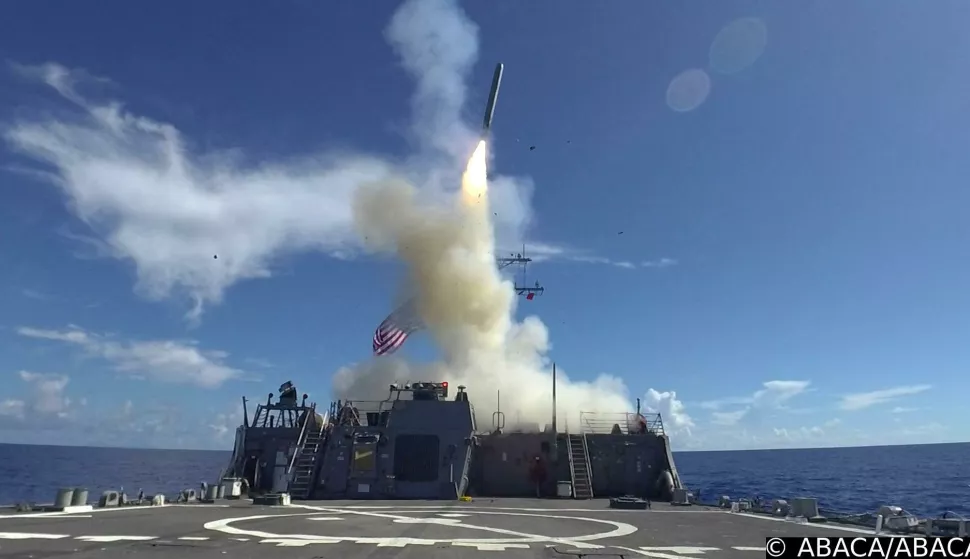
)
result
[(626, 423), (358, 410)]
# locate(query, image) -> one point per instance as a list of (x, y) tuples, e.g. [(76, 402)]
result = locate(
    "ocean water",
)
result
[(924, 479)]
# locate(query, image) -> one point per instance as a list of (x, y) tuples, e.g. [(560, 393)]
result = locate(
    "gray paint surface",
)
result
[(396, 528)]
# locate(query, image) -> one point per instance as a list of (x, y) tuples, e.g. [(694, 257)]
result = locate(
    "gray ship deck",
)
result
[(512, 527)]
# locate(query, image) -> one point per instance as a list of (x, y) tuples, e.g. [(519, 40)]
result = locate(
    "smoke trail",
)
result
[(149, 198), (438, 46), (468, 307), (449, 249)]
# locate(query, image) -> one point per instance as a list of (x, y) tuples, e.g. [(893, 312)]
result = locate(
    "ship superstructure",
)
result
[(423, 442)]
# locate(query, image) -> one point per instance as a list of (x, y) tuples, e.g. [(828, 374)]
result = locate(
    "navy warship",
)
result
[(414, 473)]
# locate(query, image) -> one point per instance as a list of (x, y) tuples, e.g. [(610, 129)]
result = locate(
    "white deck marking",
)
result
[(325, 518), (194, 538), (576, 541), (31, 536), (43, 515), (414, 508), (438, 521), (512, 537), (240, 539), (46, 515), (87, 513), (682, 549), (116, 538), (494, 546), (748, 548), (452, 515), (655, 554), (287, 542), (400, 542), (858, 530)]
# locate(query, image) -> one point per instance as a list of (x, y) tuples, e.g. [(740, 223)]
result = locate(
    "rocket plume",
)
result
[(447, 243), (474, 181), (468, 307), (157, 202)]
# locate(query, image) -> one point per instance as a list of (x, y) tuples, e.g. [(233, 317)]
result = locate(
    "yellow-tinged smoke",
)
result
[(468, 307)]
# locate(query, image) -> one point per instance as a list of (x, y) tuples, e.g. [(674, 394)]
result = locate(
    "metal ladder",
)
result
[(305, 466), (579, 467)]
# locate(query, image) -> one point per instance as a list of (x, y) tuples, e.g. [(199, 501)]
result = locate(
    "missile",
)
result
[(492, 97)]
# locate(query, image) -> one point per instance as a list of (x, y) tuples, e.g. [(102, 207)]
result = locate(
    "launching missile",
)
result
[(492, 97)]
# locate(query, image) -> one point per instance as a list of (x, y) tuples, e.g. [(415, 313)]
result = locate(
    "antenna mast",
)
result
[(520, 259)]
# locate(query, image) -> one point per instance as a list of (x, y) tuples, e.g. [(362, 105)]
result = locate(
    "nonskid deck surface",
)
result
[(513, 527)]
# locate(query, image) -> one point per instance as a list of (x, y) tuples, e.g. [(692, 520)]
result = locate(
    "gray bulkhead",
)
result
[(621, 464), (419, 450), (629, 464), (427, 448)]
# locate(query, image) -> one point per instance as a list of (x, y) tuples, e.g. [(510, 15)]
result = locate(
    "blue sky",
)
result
[(766, 249)]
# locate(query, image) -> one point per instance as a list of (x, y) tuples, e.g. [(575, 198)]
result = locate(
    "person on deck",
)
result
[(641, 425), (537, 474)]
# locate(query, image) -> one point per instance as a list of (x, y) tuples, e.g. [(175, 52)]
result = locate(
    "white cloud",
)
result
[(773, 394), (223, 425), (152, 424), (195, 223), (864, 400), (799, 435), (48, 392), (12, 408), (163, 360), (805, 434), (46, 400), (659, 263), (36, 295), (755, 409), (672, 411), (729, 417), (777, 392), (923, 430), (901, 409)]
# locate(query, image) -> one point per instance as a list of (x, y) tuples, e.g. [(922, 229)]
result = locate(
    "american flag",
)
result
[(396, 328)]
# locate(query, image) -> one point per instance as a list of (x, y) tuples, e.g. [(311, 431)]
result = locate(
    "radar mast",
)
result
[(520, 279)]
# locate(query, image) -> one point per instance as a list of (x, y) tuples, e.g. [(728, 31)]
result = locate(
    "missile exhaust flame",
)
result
[(465, 303), (474, 181)]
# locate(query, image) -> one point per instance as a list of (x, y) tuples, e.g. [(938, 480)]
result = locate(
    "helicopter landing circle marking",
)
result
[(620, 529)]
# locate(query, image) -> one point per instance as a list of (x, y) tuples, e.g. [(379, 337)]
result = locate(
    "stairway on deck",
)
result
[(306, 465), (579, 467)]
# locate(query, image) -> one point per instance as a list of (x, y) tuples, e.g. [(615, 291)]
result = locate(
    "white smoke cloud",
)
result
[(438, 46), (468, 307), (196, 224)]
